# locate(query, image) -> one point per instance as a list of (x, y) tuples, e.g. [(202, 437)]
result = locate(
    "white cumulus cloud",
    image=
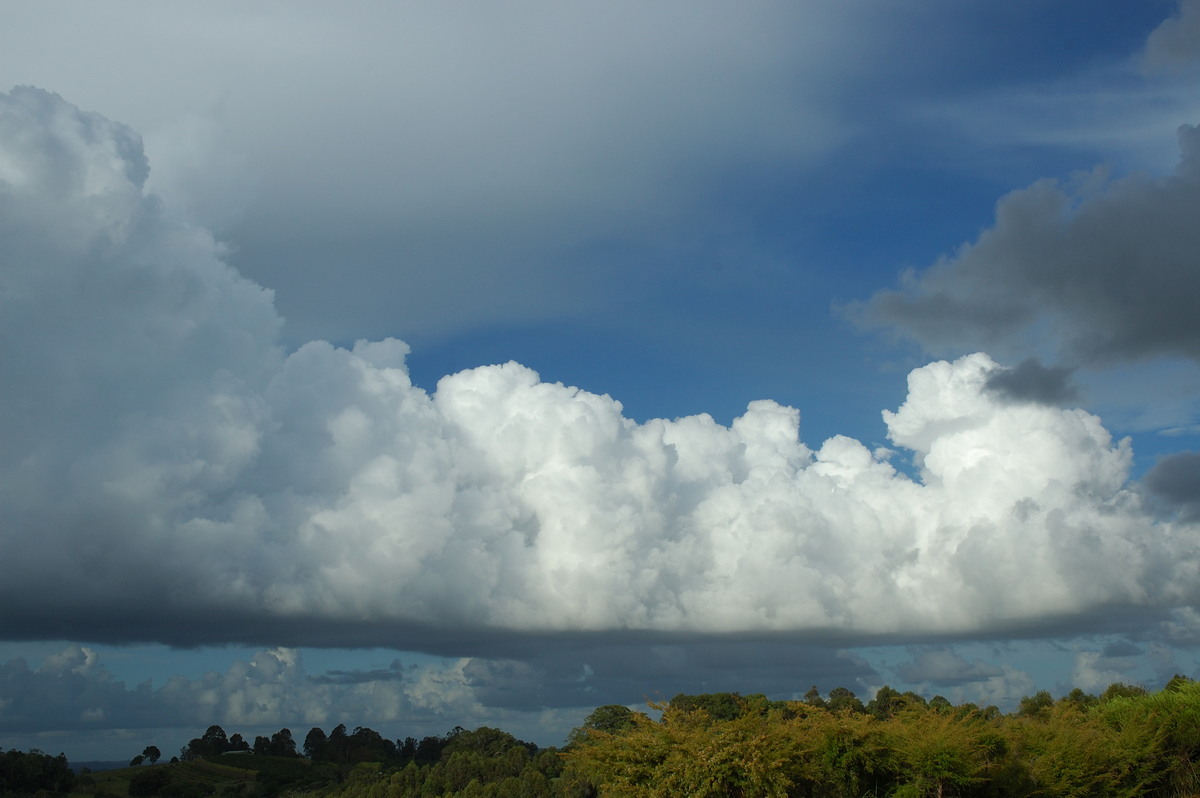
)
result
[(168, 472)]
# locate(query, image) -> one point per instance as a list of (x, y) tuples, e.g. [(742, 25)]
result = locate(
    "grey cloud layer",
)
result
[(169, 473), (1106, 267), (443, 148), (540, 697)]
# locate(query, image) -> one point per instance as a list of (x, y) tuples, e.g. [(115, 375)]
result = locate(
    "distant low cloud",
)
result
[(169, 473), (74, 690), (942, 666), (1098, 270)]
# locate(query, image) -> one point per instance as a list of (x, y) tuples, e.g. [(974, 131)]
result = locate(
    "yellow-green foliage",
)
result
[(1131, 744), (1123, 744)]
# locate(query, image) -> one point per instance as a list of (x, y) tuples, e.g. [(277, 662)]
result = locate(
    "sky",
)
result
[(418, 365)]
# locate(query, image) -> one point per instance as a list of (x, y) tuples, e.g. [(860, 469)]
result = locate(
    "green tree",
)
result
[(610, 719), (718, 706), (1122, 690), (841, 699), (1036, 705), (152, 753), (1177, 682), (886, 703), (937, 753), (314, 744), (813, 697), (282, 744)]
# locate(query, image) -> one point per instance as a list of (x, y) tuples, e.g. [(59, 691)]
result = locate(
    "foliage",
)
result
[(1126, 742), (34, 772)]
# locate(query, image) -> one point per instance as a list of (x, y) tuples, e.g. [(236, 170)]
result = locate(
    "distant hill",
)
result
[(97, 766)]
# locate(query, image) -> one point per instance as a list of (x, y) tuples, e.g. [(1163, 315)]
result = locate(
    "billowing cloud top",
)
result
[(168, 472)]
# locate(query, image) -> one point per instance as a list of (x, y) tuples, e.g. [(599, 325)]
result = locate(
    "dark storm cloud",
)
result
[(1175, 478), (619, 672), (1030, 381), (393, 673), (1101, 270), (1122, 648)]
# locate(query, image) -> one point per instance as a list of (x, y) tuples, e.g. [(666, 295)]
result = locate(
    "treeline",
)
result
[(31, 772), (1124, 743), (345, 748)]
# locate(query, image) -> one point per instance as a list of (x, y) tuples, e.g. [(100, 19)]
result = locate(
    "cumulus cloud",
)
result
[(1095, 670), (1101, 270), (170, 473)]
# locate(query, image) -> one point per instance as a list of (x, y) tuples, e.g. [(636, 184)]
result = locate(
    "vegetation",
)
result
[(27, 773), (1123, 743)]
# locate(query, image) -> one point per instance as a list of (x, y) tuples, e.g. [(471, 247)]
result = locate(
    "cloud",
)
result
[(393, 673), (74, 691), (1030, 381), (170, 473), (942, 666), (1176, 479), (1175, 44), (454, 165), (1099, 270), (941, 669), (1095, 670)]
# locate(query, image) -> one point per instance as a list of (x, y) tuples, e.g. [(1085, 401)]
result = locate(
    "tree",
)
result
[(1122, 690), (842, 699), (610, 718), (719, 706), (215, 736), (212, 743), (1036, 705), (314, 744), (282, 743), (886, 703), (337, 745), (368, 745), (153, 754), (1177, 683), (137, 761), (34, 773), (1080, 699)]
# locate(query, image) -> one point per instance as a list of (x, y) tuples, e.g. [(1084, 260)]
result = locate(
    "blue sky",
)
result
[(847, 343)]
